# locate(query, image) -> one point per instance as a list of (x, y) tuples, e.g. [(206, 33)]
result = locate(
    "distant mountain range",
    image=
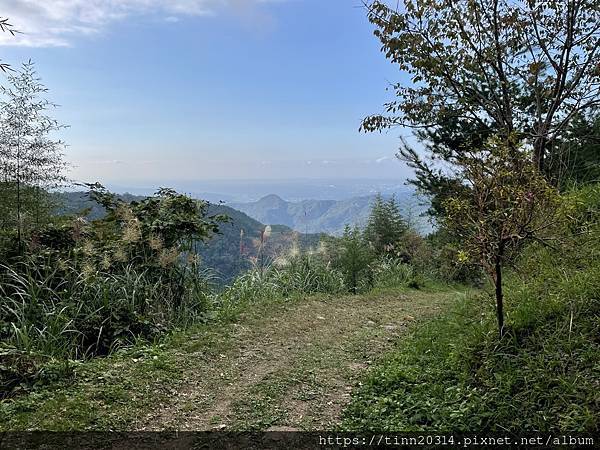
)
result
[(327, 216), (301, 223)]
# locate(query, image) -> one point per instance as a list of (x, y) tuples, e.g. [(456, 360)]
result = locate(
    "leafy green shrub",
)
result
[(443, 262)]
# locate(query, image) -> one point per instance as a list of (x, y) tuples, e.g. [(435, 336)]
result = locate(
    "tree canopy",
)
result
[(31, 159), (385, 227), (483, 67)]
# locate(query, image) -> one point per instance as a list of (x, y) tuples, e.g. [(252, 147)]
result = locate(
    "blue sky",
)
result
[(210, 89)]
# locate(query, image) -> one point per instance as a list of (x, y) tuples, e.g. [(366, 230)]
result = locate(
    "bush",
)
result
[(443, 261), (390, 272)]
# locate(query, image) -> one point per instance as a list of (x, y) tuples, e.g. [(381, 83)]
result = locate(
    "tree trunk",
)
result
[(19, 232), (539, 152), (499, 296)]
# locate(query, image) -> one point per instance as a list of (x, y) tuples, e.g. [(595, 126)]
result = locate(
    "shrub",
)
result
[(443, 262)]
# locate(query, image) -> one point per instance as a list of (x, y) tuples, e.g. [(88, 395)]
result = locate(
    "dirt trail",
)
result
[(289, 367)]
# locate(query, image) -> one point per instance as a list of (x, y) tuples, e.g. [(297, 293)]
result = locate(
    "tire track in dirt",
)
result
[(292, 366)]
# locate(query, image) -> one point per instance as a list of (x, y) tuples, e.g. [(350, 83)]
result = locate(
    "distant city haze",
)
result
[(243, 191)]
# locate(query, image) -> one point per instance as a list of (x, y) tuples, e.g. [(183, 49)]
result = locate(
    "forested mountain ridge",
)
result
[(233, 250), (230, 252)]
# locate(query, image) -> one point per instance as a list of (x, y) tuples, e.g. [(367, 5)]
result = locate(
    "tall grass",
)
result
[(79, 314), (299, 275), (52, 312), (391, 272)]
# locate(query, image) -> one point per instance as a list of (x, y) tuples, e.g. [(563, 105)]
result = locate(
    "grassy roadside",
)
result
[(453, 374), (272, 364)]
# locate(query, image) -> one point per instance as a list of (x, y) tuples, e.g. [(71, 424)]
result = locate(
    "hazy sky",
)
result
[(210, 89)]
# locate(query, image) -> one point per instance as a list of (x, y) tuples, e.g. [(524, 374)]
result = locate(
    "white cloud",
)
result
[(51, 23), (108, 161)]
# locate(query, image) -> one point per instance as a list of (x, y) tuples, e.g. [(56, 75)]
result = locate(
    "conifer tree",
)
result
[(386, 226), (354, 257)]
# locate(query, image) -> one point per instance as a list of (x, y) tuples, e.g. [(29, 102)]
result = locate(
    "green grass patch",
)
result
[(105, 393), (453, 373)]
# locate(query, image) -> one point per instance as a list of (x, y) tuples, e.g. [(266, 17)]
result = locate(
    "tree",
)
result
[(478, 68), (353, 257), (509, 204), (149, 230), (385, 226), (158, 235), (31, 161), (576, 157)]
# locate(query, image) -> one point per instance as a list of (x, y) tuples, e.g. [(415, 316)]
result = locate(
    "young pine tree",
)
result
[(386, 226), (354, 257)]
